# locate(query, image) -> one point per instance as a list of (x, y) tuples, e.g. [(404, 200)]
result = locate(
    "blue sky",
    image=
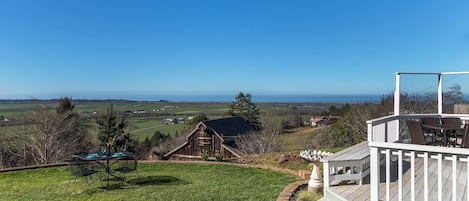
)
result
[(117, 49)]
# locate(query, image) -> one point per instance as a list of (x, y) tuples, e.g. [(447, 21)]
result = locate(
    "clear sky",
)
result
[(116, 48)]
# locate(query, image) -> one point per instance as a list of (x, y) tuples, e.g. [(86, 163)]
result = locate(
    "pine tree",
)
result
[(111, 131), (65, 105), (244, 107)]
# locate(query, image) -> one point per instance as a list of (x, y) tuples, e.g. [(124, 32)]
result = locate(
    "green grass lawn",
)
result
[(159, 181), (146, 128)]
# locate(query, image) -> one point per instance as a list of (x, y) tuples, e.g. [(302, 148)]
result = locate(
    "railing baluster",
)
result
[(425, 175), (400, 174), (455, 176), (467, 179), (436, 180), (388, 174), (412, 175), (440, 177)]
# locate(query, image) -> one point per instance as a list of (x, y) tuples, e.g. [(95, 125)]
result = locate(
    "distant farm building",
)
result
[(461, 108), (212, 137), (140, 112), (167, 107), (179, 120), (168, 121), (323, 120), (4, 121)]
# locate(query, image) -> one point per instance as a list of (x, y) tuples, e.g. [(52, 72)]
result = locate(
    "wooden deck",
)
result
[(360, 193)]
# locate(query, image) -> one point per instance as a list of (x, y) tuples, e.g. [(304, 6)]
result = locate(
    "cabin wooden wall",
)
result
[(203, 140)]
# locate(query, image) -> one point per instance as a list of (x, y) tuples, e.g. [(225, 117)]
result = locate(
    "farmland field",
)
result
[(152, 120)]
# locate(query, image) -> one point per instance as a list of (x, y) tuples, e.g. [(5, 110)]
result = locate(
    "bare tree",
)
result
[(418, 103), (265, 141), (257, 143), (11, 150), (166, 145), (54, 137)]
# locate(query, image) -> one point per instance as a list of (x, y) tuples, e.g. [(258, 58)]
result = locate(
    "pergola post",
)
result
[(397, 94), (440, 94)]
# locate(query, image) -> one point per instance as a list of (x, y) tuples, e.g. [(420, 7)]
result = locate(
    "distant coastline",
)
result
[(230, 98)]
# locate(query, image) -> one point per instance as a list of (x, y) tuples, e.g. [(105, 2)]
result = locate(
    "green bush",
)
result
[(308, 196), (204, 156), (219, 157)]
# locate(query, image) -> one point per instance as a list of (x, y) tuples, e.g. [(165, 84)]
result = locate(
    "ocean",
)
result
[(266, 98)]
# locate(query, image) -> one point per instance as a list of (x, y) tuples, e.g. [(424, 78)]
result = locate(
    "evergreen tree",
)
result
[(65, 105), (111, 131), (244, 107)]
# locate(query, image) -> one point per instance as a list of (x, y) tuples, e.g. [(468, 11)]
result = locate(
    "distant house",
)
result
[(323, 120), (318, 121), (461, 108), (167, 107), (168, 121), (140, 112), (7, 121), (212, 137)]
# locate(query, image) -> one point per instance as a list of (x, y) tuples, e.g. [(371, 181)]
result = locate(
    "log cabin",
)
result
[(213, 137)]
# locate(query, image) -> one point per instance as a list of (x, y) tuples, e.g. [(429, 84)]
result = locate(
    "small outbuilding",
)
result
[(212, 137)]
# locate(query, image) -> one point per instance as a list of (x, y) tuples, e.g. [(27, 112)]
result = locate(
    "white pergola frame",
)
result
[(397, 92)]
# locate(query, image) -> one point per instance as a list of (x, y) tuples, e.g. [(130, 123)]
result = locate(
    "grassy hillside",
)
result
[(146, 125), (297, 139)]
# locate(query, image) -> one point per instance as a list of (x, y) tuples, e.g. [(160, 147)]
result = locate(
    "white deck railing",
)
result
[(385, 139)]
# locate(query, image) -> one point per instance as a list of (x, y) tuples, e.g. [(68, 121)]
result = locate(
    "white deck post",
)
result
[(440, 94), (374, 173), (397, 104), (397, 95), (370, 132)]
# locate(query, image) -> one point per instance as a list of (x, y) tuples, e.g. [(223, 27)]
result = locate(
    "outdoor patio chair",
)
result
[(453, 125), (431, 125), (417, 135), (83, 169), (465, 137)]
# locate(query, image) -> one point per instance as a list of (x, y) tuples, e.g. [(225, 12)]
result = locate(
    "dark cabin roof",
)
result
[(229, 127)]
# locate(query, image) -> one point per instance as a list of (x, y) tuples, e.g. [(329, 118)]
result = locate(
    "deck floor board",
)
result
[(359, 193)]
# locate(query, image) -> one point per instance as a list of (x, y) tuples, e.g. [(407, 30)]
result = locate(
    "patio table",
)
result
[(444, 131), (106, 161)]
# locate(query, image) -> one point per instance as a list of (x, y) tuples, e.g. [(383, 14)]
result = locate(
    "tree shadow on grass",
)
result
[(116, 184), (157, 180)]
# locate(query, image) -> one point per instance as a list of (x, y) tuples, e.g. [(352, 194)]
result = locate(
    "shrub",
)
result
[(308, 196), (204, 156), (219, 157)]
